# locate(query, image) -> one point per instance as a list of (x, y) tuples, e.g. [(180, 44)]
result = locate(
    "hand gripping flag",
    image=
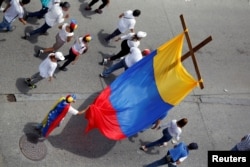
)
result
[(143, 93)]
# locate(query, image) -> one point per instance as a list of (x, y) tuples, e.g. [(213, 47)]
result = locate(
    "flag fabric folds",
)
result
[(143, 93)]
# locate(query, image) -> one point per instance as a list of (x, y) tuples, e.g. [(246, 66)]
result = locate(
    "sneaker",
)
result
[(26, 16), (98, 11), (104, 61), (39, 53), (102, 76), (12, 28), (32, 86), (27, 81), (26, 36), (1, 9), (63, 69), (88, 8)]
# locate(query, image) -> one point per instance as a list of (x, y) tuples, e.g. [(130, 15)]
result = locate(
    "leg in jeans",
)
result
[(5, 24), (124, 51), (35, 78), (114, 34), (39, 14), (40, 30), (159, 162), (234, 148), (114, 67)]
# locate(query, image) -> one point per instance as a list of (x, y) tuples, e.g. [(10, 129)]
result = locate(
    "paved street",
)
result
[(218, 115)]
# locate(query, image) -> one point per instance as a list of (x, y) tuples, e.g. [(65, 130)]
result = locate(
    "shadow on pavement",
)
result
[(22, 86), (73, 138)]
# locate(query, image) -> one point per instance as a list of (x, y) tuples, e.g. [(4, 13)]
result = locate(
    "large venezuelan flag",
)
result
[(143, 93)]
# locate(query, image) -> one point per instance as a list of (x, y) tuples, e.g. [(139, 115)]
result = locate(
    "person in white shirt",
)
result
[(133, 57), (129, 40), (64, 35), (127, 22), (52, 17), (46, 69), (80, 47), (13, 10), (172, 130)]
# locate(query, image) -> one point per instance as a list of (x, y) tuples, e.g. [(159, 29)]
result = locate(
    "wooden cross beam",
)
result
[(192, 50)]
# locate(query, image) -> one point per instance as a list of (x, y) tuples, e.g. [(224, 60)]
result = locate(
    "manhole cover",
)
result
[(32, 148)]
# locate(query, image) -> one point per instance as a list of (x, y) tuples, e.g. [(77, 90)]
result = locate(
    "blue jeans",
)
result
[(5, 24), (234, 148), (114, 34), (165, 138), (160, 162), (120, 64), (40, 13), (40, 30)]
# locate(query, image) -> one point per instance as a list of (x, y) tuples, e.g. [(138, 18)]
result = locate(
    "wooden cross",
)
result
[(192, 50)]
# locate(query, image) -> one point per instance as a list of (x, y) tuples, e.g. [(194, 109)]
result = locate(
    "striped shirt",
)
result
[(244, 145)]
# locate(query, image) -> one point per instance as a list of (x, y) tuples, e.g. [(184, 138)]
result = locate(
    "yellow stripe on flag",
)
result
[(173, 82)]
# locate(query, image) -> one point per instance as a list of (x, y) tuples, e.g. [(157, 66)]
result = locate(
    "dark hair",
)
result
[(136, 13), (65, 4), (182, 122), (24, 2)]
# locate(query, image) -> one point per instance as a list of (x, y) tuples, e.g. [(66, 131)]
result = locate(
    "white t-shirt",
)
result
[(127, 22), (47, 67), (54, 15), (73, 110), (131, 43), (15, 10), (134, 56), (173, 129), (79, 46), (63, 34)]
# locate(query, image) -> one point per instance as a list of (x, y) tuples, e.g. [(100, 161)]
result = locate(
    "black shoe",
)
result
[(104, 62), (102, 76), (26, 36), (98, 11), (88, 8), (26, 16), (63, 69), (27, 81)]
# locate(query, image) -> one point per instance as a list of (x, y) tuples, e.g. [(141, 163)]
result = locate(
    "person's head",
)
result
[(146, 52), (70, 98), (140, 34), (56, 56), (182, 122), (73, 25), (193, 146), (65, 6), (24, 2), (87, 38), (136, 13)]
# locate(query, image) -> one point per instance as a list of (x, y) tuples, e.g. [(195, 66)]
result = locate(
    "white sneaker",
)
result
[(1, 9)]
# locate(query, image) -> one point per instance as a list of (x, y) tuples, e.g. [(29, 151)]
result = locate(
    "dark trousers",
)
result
[(70, 57), (161, 162), (39, 14), (114, 34), (35, 78), (125, 49), (40, 30), (104, 3)]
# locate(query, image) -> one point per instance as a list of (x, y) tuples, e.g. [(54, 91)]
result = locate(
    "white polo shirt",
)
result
[(127, 22), (15, 10), (54, 15), (47, 67), (79, 47)]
